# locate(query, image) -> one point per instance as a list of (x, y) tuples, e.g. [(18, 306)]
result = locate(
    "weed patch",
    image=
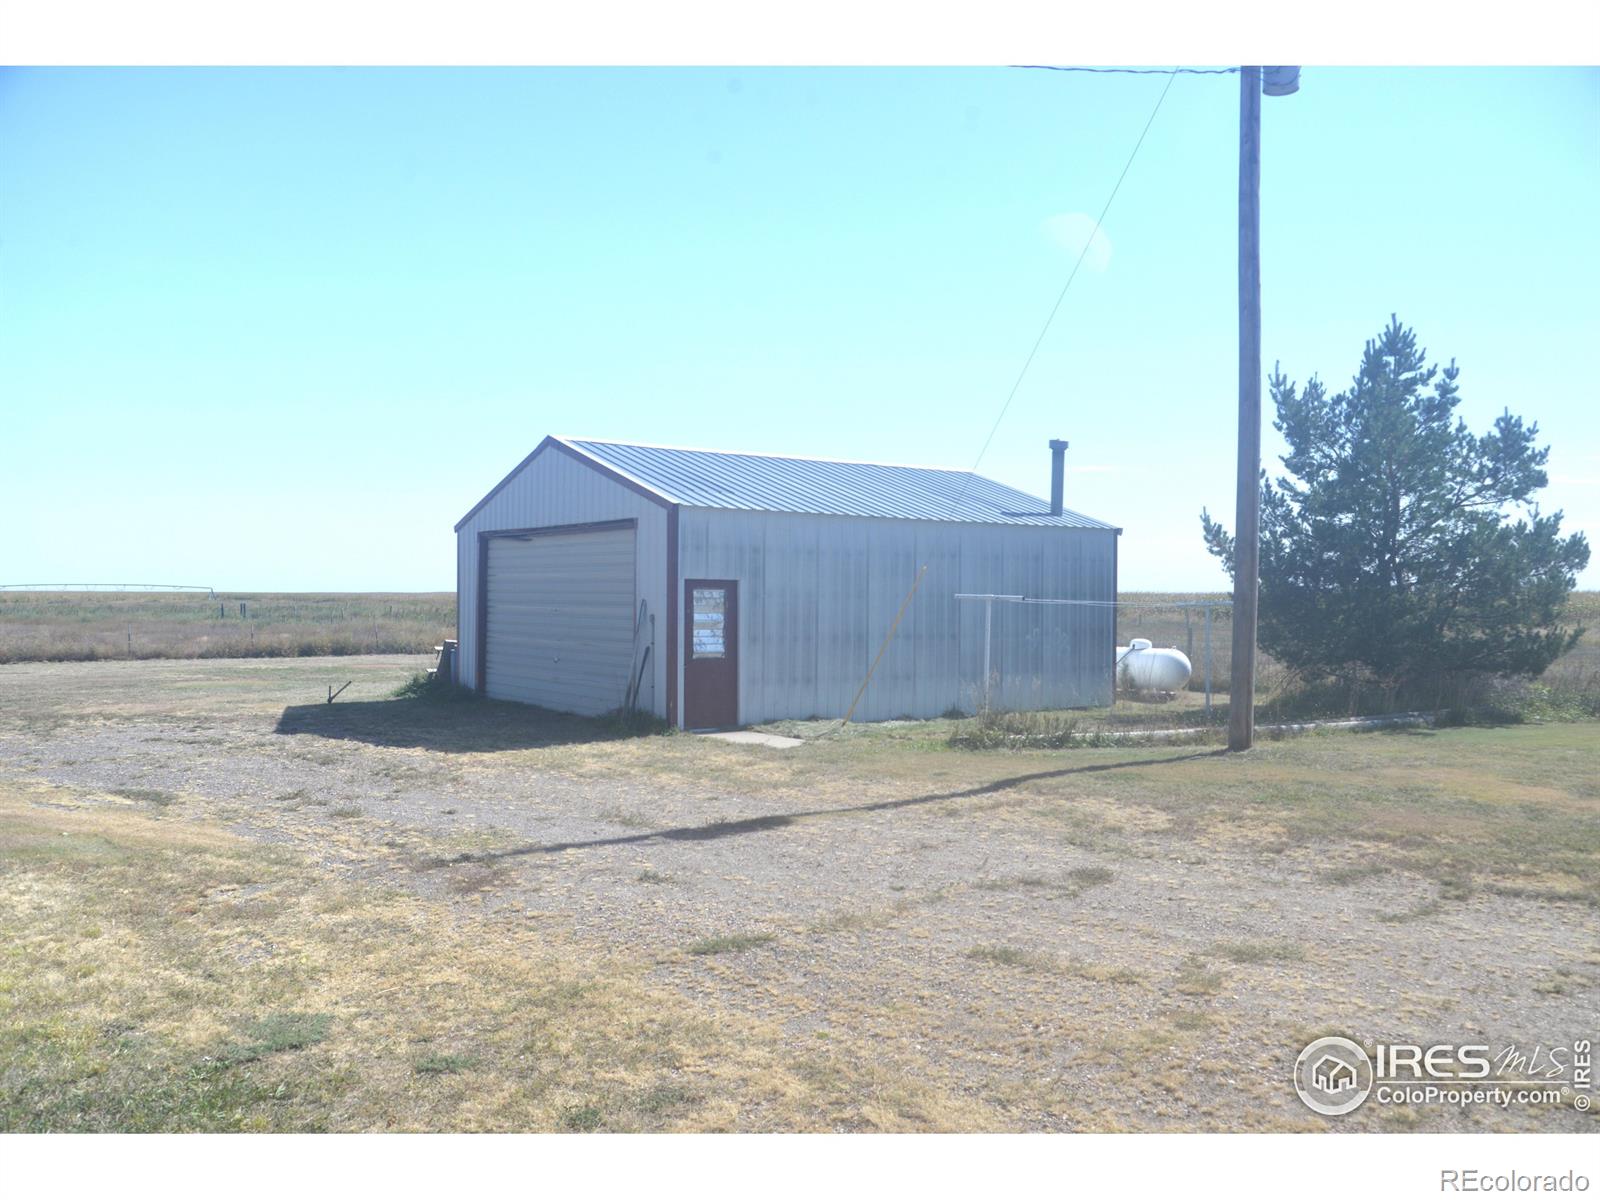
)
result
[(1345, 876), (1000, 730), (1258, 952), (1084, 878), (1418, 912), (1012, 956), (730, 943), (276, 1033), (1195, 978), (146, 795), (442, 1064)]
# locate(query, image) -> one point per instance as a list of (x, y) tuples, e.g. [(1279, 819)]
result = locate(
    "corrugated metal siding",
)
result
[(555, 489), (817, 595), (561, 620), (768, 483)]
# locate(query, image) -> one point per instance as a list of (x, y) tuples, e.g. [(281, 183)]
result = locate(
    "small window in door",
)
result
[(710, 622)]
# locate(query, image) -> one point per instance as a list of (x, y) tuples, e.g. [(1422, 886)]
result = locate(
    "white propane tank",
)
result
[(1142, 667)]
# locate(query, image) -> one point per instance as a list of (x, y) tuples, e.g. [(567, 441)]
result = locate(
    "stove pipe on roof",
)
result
[(1058, 470)]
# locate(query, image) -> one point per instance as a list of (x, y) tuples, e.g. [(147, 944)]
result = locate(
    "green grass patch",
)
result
[(998, 730), (583, 1118), (1084, 878), (1345, 876), (146, 795), (1011, 883), (633, 722), (1072, 883), (665, 1098), (442, 1064), (1102, 972), (729, 943), (276, 1033), (1012, 956), (1258, 952), (422, 685)]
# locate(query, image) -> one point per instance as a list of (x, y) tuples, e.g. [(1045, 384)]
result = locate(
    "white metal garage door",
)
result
[(560, 619)]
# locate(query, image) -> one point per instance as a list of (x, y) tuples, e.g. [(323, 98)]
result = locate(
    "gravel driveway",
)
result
[(1055, 935)]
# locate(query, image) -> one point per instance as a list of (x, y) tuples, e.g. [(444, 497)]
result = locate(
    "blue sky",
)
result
[(279, 329)]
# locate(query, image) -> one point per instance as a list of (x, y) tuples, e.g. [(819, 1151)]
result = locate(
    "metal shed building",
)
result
[(719, 589)]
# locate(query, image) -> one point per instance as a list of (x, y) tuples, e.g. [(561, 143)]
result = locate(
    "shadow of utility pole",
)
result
[(751, 825)]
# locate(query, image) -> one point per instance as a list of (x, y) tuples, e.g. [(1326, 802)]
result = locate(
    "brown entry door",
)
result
[(710, 653)]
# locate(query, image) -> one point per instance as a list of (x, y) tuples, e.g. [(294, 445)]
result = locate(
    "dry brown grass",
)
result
[(160, 975), (1144, 917), (89, 626)]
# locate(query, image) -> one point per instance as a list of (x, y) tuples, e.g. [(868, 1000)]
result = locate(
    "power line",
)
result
[(1132, 70), (1082, 254)]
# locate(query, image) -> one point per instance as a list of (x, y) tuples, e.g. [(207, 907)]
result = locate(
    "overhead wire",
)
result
[(1171, 76), (1082, 254), (1131, 70)]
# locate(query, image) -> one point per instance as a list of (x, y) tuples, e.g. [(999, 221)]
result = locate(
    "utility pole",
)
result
[(1279, 81)]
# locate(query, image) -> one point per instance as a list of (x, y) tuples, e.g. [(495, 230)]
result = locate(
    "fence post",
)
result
[(1208, 662), (988, 613)]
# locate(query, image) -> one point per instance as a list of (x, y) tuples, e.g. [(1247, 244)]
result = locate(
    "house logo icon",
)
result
[(1332, 1076)]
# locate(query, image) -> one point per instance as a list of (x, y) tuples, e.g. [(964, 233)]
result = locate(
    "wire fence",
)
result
[(107, 587), (1026, 641), (140, 623), (1199, 624)]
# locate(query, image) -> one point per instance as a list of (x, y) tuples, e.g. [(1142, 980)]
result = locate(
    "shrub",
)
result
[(1002, 730), (423, 685), (634, 722)]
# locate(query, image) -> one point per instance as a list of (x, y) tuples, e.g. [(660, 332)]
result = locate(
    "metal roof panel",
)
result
[(830, 487)]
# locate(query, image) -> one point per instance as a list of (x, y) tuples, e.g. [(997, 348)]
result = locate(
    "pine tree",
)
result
[(1387, 552)]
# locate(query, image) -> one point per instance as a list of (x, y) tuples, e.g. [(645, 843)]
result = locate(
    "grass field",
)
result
[(80, 626), (231, 905), (76, 626)]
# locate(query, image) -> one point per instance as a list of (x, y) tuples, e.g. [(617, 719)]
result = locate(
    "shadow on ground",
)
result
[(750, 825), (451, 727)]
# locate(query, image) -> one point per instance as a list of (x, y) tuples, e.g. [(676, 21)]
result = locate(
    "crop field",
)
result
[(77, 626), (231, 905)]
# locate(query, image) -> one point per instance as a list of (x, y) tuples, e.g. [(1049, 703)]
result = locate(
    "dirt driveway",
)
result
[(1140, 938)]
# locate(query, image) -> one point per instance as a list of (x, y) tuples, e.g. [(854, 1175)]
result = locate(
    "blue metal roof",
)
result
[(777, 483)]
